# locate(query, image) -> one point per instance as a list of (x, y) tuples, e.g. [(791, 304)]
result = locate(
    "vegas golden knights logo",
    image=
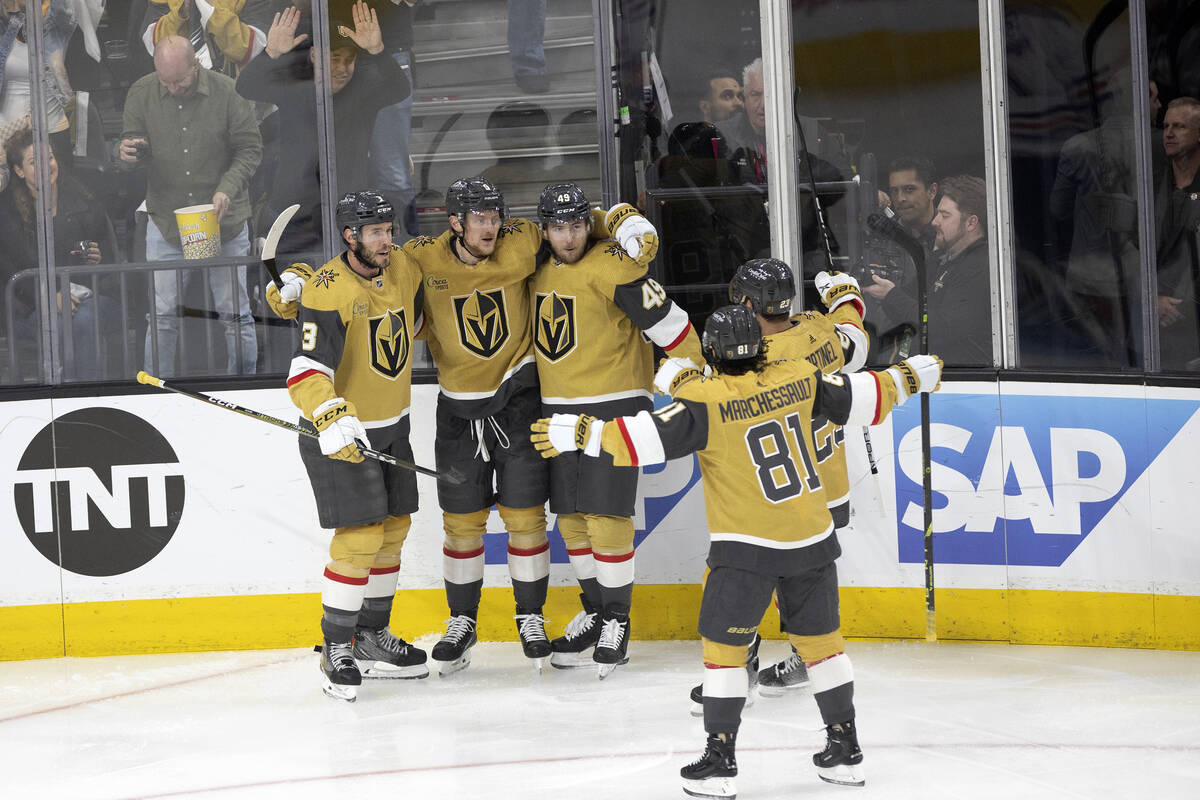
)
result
[(554, 325), (389, 343), (482, 322)]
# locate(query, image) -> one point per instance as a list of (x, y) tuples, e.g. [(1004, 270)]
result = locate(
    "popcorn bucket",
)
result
[(199, 231)]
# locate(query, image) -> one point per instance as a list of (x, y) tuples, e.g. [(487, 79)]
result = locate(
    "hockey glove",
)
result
[(919, 373), (285, 301), (673, 373), (339, 430), (566, 433), (837, 288), (633, 232)]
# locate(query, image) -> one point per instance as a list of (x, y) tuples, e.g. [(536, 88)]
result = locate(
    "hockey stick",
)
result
[(892, 229), (272, 242), (824, 226), (453, 476)]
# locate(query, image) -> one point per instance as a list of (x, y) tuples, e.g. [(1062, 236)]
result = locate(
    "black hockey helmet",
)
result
[(767, 283), (731, 333), (367, 207), (563, 202), (474, 194)]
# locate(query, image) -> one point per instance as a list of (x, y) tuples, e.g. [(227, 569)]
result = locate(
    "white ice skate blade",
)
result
[(604, 670), (386, 671), (843, 774), (339, 692), (571, 660), (716, 788), (539, 664), (457, 665)]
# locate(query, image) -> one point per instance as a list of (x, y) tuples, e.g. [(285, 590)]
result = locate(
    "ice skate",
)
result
[(711, 775), (613, 643), (382, 654), (453, 650), (841, 760), (531, 627), (779, 678), (342, 677), (583, 631)]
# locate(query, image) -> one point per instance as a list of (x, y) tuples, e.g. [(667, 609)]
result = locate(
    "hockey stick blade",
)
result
[(452, 476), (271, 244)]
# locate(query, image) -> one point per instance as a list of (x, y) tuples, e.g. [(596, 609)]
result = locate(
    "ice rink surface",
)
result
[(945, 720)]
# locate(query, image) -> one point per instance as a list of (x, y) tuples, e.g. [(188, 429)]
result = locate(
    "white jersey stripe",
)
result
[(864, 399), (859, 337), (668, 329), (643, 436), (773, 544), (302, 364), (598, 398), (485, 395)]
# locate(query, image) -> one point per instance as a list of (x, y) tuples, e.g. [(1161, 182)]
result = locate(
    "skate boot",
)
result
[(582, 633), (382, 654), (531, 627), (787, 674), (613, 643), (841, 760), (752, 675), (342, 677), (711, 775), (453, 650)]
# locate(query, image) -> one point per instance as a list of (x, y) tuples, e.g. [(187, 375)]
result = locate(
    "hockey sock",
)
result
[(341, 600), (377, 600), (724, 697), (833, 688)]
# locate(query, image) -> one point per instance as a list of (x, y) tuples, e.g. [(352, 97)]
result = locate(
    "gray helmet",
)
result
[(474, 194), (367, 207), (731, 333), (563, 202), (767, 283)]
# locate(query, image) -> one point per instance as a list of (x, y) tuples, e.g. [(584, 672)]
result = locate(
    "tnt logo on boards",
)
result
[(1024, 481), (105, 485)]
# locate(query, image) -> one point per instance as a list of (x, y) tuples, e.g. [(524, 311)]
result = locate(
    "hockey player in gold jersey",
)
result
[(832, 342), (596, 314), (770, 527), (480, 335), (350, 377)]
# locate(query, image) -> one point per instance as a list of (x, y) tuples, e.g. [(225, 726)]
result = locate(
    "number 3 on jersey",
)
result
[(771, 452)]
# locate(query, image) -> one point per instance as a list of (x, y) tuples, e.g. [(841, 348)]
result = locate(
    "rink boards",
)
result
[(1064, 514)]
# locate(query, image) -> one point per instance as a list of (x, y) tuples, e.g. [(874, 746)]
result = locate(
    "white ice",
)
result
[(944, 720)]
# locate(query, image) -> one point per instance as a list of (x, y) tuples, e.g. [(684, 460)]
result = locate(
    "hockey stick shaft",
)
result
[(150, 380)]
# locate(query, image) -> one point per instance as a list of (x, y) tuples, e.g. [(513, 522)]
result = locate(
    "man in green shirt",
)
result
[(199, 141)]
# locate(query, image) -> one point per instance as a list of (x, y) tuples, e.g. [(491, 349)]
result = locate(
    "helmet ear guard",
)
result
[(767, 283)]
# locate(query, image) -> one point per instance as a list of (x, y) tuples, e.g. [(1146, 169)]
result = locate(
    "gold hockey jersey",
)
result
[(477, 317), (356, 338), (763, 495), (814, 337), (593, 324)]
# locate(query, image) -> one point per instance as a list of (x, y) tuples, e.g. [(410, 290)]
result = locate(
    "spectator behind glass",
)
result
[(390, 154), (83, 234), (1177, 219), (516, 126), (526, 51), (225, 34), (58, 23), (361, 84), (199, 142)]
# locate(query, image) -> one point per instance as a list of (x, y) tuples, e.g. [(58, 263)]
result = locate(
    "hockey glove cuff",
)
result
[(339, 430), (673, 373), (633, 232), (837, 288), (284, 301), (920, 373), (566, 433)]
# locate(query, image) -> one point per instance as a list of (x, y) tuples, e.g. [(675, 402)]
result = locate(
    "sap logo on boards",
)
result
[(1023, 480), (99, 491)]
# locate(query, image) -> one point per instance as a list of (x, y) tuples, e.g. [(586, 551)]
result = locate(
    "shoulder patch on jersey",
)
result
[(324, 278), (510, 226), (614, 249), (423, 241)]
